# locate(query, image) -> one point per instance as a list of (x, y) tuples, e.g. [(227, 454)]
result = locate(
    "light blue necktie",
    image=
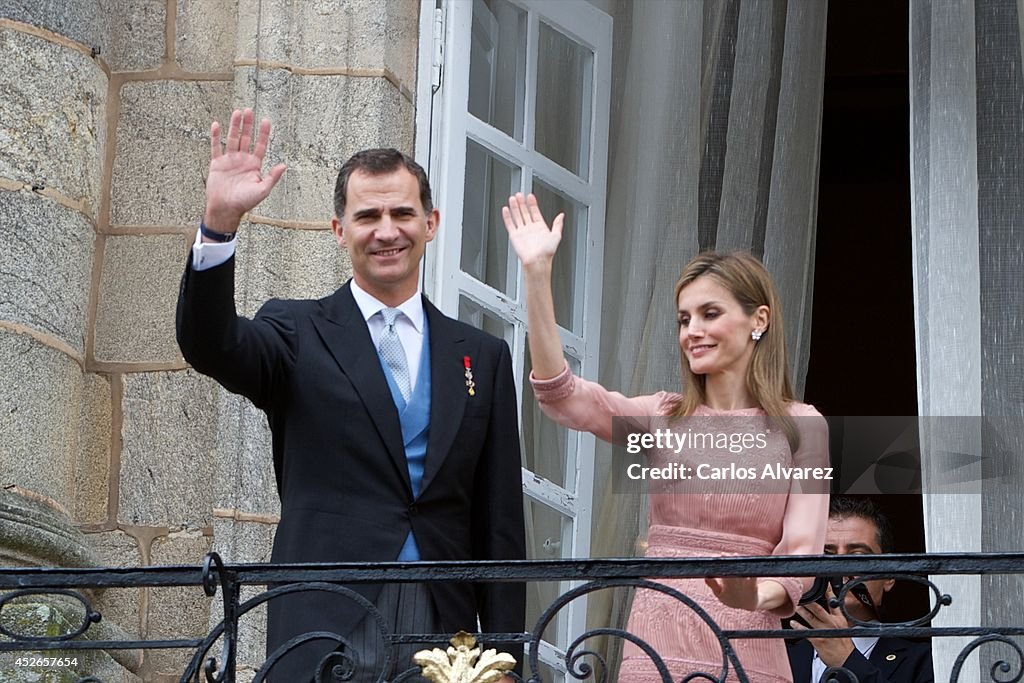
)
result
[(393, 353)]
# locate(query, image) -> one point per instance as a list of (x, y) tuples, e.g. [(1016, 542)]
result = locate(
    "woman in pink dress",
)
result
[(734, 368)]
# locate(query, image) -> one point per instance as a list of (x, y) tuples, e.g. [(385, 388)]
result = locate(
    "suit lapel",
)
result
[(447, 391), (346, 336)]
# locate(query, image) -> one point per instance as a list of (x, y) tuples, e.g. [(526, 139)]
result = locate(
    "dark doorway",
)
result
[(862, 360), (862, 338)]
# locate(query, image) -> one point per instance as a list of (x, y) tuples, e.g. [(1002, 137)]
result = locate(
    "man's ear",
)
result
[(433, 221), (887, 586), (339, 232)]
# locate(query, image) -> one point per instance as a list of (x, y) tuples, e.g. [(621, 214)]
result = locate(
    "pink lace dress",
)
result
[(717, 519)]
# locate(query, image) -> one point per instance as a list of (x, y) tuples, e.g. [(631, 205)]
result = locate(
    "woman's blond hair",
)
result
[(768, 373)]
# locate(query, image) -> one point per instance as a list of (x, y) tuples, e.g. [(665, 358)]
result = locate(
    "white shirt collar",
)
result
[(370, 306)]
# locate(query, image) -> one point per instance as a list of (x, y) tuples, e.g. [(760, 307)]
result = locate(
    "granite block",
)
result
[(39, 417), (319, 122), (163, 150), (205, 40), (168, 440), (137, 30), (137, 298), (53, 129), (92, 466), (119, 606), (85, 21), (287, 264), (324, 34), (179, 612), (46, 272)]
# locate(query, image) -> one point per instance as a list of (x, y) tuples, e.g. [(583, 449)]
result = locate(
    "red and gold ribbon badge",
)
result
[(470, 384)]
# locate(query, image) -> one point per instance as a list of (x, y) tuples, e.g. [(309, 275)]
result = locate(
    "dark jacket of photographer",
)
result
[(893, 660)]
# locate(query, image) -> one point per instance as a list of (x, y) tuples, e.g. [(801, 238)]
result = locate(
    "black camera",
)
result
[(819, 593)]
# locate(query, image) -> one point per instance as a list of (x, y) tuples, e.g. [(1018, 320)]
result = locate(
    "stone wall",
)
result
[(105, 107)]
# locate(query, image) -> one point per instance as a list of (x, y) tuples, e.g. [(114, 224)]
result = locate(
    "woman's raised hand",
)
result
[(535, 244), (529, 234)]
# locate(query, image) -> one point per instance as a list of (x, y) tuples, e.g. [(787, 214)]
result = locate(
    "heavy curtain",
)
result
[(967, 177), (715, 130)]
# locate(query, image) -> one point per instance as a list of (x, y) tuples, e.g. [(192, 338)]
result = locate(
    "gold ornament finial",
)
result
[(463, 662)]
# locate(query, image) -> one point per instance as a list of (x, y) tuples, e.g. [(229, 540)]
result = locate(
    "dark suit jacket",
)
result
[(893, 660), (339, 458)]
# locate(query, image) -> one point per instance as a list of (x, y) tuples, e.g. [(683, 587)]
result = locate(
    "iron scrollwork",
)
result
[(579, 669), (1001, 666), (89, 615), (337, 665), (581, 662), (940, 599)]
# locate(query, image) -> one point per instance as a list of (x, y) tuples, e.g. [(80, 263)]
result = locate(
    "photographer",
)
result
[(856, 527)]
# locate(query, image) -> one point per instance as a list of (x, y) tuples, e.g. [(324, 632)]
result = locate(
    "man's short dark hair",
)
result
[(379, 162), (843, 507)]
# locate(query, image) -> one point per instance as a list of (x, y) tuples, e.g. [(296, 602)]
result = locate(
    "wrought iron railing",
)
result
[(227, 582)]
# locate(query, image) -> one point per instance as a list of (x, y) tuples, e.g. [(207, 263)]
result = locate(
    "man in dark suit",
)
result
[(856, 527), (394, 427)]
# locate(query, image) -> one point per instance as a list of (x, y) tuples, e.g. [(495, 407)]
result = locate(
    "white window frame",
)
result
[(443, 124)]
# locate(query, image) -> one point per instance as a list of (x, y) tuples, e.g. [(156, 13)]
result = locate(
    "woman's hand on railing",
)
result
[(747, 592)]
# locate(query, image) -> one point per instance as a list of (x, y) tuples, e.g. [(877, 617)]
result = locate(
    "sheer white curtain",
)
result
[(715, 132), (967, 175)]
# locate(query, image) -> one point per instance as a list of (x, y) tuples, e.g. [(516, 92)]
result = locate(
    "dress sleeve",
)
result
[(806, 517), (587, 406)]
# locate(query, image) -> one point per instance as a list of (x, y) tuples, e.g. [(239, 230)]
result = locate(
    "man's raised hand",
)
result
[(235, 183)]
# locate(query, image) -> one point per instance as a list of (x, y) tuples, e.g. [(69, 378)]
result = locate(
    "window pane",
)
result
[(485, 251), (472, 313), (497, 65), (548, 537), (563, 101), (568, 259), (548, 447)]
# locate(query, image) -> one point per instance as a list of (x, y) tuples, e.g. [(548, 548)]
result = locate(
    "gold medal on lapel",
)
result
[(470, 384)]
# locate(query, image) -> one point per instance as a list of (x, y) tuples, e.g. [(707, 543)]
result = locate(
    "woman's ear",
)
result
[(762, 318)]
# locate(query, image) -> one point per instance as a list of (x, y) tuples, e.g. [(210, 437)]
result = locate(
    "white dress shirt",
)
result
[(206, 255), (409, 325)]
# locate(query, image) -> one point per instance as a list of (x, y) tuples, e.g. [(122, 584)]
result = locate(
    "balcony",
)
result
[(214, 658)]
